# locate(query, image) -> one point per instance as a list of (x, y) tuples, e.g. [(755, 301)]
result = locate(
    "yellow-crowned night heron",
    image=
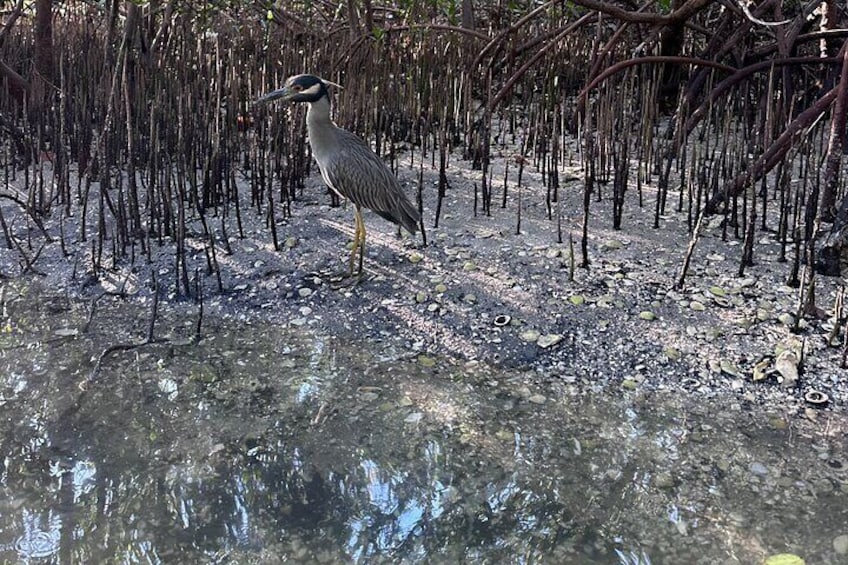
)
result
[(347, 164)]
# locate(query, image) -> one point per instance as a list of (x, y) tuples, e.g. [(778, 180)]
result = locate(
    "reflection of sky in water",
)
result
[(311, 383), (41, 535), (83, 475), (397, 517), (141, 490), (239, 524)]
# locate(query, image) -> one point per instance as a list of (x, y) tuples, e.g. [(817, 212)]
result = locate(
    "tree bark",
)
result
[(468, 20), (43, 78), (833, 159)]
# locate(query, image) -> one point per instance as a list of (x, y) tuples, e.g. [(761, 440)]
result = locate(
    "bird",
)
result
[(348, 165)]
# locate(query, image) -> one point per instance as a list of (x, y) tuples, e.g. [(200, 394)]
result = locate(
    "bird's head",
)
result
[(300, 88)]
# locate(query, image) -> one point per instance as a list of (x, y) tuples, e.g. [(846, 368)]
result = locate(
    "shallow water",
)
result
[(262, 445)]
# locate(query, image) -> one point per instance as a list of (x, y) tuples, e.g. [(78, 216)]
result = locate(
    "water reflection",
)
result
[(236, 468)]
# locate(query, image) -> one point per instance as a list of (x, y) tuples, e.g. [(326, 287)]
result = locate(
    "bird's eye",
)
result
[(297, 87)]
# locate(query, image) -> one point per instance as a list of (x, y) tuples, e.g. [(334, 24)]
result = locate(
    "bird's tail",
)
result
[(403, 213), (408, 214)]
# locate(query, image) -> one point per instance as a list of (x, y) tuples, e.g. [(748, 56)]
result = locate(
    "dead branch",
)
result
[(686, 11), (775, 152)]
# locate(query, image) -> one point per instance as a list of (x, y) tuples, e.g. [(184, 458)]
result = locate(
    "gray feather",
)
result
[(350, 168)]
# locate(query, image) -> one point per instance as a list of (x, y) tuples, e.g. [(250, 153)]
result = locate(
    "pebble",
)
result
[(717, 291), (786, 319), (426, 361), (672, 353), (629, 384), (530, 335), (413, 418), (548, 340), (840, 544), (663, 480), (758, 469), (305, 291), (577, 300), (537, 398), (647, 315), (697, 306), (440, 288)]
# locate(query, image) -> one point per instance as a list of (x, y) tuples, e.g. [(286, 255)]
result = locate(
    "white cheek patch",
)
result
[(314, 89)]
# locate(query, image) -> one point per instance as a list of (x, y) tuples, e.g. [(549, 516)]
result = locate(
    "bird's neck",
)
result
[(318, 113)]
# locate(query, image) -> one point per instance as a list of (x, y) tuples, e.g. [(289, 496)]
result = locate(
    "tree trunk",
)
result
[(468, 20), (671, 44), (833, 159), (43, 56)]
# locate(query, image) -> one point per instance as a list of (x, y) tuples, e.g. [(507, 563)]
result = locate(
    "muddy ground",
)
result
[(482, 293)]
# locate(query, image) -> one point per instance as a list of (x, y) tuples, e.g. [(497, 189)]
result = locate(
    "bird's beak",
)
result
[(285, 93)]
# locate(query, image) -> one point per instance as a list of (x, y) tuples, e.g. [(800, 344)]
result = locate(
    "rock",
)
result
[(426, 361), (304, 291), (577, 299), (840, 544), (672, 353), (548, 340), (537, 398), (787, 365), (647, 315), (728, 367), (697, 306), (530, 335), (441, 288), (413, 418), (758, 469), (717, 291), (663, 480), (415, 258)]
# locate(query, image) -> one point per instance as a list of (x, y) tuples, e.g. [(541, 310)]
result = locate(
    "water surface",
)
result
[(261, 444)]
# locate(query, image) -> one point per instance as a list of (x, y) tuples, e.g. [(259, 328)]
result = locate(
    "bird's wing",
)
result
[(359, 175)]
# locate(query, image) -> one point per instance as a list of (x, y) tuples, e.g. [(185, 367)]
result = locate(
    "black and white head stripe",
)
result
[(301, 88)]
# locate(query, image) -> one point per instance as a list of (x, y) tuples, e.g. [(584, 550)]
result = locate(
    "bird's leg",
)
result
[(361, 243), (356, 242)]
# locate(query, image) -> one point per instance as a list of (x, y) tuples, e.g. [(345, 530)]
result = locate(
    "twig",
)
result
[(837, 316), (29, 263), (690, 251), (198, 290), (148, 340)]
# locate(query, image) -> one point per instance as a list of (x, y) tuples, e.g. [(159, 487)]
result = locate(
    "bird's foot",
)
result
[(345, 278)]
